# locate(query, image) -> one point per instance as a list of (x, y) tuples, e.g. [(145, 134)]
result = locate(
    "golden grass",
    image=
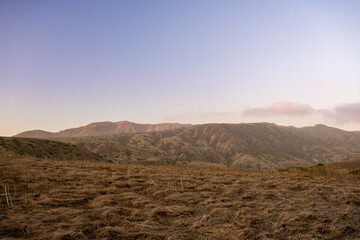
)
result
[(341, 170), (47, 199)]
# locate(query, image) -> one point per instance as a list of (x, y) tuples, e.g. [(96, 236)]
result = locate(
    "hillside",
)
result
[(102, 128), (50, 199), (352, 164), (260, 146), (41, 148)]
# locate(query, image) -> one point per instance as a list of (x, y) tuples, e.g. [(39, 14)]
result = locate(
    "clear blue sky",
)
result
[(68, 63)]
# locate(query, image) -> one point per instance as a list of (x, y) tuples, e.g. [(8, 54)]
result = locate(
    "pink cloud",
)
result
[(280, 108), (342, 114), (345, 113)]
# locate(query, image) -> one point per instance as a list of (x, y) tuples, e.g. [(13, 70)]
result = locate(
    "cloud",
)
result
[(172, 118), (219, 114), (280, 108), (344, 113)]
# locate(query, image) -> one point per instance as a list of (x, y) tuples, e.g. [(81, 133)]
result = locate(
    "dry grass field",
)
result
[(48, 199)]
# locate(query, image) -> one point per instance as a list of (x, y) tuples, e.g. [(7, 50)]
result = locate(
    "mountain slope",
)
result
[(46, 149), (258, 146), (102, 128)]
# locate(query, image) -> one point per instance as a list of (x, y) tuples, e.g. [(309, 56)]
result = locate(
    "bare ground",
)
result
[(46, 199)]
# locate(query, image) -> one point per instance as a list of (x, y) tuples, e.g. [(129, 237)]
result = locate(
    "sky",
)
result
[(68, 63)]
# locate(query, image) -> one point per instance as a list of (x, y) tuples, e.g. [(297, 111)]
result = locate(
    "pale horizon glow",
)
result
[(65, 64)]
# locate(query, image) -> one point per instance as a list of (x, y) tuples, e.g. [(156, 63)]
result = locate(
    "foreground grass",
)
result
[(44, 199)]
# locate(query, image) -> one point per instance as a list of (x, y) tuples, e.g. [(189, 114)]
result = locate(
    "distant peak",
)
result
[(321, 125)]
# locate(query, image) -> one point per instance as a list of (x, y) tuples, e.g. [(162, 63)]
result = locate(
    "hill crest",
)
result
[(261, 146), (101, 129), (43, 148)]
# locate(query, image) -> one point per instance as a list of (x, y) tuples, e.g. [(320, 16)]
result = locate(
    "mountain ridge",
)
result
[(101, 128), (261, 146)]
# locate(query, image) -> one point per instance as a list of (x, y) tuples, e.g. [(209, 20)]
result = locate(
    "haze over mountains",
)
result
[(260, 146)]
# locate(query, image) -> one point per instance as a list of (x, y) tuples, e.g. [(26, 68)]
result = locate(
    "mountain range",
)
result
[(102, 128), (259, 146)]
